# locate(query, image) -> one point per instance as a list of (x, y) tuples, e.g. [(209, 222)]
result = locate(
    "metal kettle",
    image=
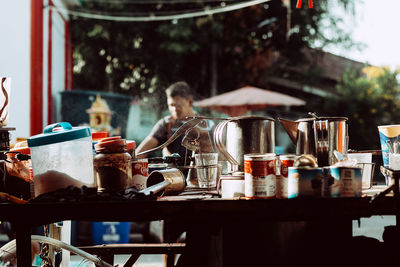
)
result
[(318, 136), (244, 135)]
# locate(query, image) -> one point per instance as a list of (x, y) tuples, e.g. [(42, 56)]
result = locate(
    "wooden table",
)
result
[(203, 217)]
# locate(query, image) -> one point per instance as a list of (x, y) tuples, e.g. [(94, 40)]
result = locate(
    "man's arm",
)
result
[(148, 143)]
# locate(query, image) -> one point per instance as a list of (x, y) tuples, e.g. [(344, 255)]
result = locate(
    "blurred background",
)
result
[(339, 58), (69, 59)]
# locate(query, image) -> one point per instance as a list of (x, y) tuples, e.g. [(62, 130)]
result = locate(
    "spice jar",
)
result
[(112, 164)]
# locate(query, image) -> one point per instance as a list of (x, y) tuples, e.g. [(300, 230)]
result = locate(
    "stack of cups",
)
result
[(389, 136)]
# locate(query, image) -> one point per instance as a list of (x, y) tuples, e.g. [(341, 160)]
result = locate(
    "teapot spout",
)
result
[(291, 128)]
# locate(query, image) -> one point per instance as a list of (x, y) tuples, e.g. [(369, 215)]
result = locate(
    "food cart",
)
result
[(231, 231)]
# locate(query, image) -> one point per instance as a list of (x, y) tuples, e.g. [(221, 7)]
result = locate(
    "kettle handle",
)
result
[(218, 140)]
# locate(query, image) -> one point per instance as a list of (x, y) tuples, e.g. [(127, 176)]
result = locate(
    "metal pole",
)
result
[(23, 240)]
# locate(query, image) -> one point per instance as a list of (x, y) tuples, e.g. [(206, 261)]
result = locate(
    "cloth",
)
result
[(163, 130)]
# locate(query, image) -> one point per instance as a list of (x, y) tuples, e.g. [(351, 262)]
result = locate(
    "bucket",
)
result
[(61, 156), (110, 232)]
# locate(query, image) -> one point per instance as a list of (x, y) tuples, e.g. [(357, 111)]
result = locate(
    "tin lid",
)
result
[(259, 156), (232, 177), (252, 117), (322, 119), (57, 133), (288, 156), (109, 138), (111, 144), (158, 165)]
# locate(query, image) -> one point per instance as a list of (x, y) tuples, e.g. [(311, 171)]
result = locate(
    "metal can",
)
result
[(340, 181), (231, 186), (304, 182), (140, 172), (285, 161), (260, 175)]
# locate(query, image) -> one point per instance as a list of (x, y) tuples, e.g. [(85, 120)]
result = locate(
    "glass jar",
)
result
[(112, 164)]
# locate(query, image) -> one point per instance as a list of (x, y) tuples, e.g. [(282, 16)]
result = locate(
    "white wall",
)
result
[(58, 65), (15, 61), (15, 23)]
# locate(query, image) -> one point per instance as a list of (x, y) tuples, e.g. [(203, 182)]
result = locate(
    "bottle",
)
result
[(112, 164)]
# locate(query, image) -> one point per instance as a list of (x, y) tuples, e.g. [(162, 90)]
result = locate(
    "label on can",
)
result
[(285, 161), (304, 182), (346, 182), (260, 175), (140, 171)]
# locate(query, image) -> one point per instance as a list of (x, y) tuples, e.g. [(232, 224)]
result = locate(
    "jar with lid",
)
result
[(112, 164)]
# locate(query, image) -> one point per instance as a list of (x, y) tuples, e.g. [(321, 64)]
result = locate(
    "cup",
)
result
[(206, 169), (140, 172), (388, 135), (364, 161), (394, 161)]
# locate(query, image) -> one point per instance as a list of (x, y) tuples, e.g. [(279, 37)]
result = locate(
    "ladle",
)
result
[(190, 124)]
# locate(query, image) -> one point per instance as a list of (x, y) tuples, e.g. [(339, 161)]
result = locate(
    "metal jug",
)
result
[(244, 135), (318, 136)]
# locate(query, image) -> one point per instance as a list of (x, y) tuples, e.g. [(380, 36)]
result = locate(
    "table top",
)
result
[(199, 208)]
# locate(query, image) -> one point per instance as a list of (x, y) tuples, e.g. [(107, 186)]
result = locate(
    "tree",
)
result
[(222, 52), (368, 98)]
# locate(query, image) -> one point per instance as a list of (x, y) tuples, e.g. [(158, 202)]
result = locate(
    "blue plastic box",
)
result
[(110, 232)]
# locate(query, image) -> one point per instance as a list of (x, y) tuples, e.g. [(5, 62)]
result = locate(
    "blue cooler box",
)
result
[(110, 232)]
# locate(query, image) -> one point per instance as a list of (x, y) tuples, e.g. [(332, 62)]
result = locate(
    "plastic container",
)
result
[(96, 136), (20, 168), (112, 164), (19, 181), (61, 156), (110, 232)]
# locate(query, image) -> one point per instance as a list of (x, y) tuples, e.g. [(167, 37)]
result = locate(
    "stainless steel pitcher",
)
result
[(244, 135), (318, 136)]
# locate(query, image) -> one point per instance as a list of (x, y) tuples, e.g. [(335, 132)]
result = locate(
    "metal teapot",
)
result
[(245, 134), (318, 136)]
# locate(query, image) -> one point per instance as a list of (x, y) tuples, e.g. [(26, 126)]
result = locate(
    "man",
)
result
[(180, 105)]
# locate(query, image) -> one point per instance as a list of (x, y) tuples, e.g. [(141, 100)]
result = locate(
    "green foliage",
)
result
[(142, 58), (368, 100)]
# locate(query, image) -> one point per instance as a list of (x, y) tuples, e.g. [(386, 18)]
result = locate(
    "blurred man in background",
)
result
[(180, 105)]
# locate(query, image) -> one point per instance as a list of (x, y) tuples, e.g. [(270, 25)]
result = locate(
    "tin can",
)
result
[(157, 167), (260, 175), (140, 172), (231, 186), (285, 161), (304, 182), (342, 181)]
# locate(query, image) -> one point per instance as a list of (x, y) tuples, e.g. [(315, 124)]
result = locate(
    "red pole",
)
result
[(36, 68), (49, 66), (310, 4)]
